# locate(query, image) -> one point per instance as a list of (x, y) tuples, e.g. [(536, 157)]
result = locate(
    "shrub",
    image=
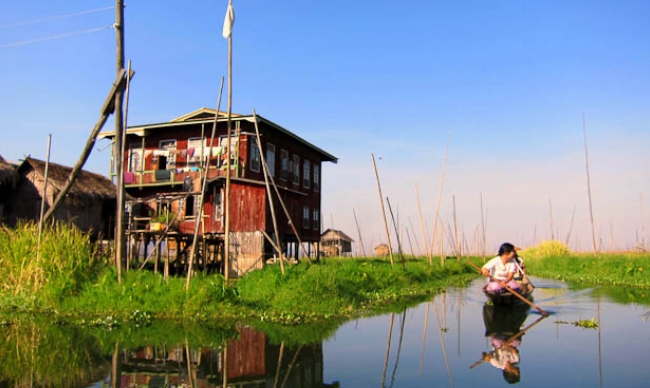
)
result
[(551, 248)]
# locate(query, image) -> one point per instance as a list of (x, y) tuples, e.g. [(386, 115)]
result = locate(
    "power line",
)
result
[(53, 37), (20, 24)]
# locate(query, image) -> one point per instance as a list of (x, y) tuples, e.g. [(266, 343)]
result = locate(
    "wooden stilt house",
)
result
[(336, 243), (165, 163)]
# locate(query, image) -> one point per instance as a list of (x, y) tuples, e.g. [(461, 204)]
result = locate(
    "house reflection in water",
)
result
[(251, 361)]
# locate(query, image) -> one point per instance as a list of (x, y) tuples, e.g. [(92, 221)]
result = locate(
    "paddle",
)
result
[(515, 293), (522, 331)]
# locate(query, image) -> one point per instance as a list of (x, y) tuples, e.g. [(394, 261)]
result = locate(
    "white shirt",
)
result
[(498, 270)]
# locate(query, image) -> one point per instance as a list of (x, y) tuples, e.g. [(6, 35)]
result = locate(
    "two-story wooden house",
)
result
[(164, 165)]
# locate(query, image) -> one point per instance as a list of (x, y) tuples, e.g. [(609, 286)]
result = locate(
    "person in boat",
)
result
[(506, 358), (502, 270)]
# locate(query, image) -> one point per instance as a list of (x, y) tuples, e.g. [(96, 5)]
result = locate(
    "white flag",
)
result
[(228, 21)]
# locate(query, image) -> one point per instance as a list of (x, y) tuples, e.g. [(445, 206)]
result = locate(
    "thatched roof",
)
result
[(87, 184), (8, 174)]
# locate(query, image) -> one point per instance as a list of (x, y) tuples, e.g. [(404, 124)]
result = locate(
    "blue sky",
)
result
[(505, 82)]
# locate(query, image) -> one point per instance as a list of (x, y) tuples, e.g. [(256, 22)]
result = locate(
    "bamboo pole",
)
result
[(550, 214), (44, 196), (417, 243), (265, 169), (427, 252), (456, 238), (106, 111), (291, 365), (424, 336), (277, 370), (573, 217), (591, 207), (227, 193), (399, 243), (435, 218), (204, 182), (442, 344), (363, 249), (390, 334), (483, 228), (224, 367), (277, 193), (399, 347), (383, 212)]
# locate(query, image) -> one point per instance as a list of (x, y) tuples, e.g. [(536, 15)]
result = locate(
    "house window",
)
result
[(135, 158), (306, 172), (234, 147), (316, 177), (255, 161), (166, 154), (218, 206), (284, 164), (305, 217), (296, 170), (316, 219), (270, 158), (195, 149)]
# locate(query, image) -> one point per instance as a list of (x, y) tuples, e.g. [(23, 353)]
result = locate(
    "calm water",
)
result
[(450, 341)]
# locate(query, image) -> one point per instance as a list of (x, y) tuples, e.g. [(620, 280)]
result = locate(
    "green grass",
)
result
[(621, 269)]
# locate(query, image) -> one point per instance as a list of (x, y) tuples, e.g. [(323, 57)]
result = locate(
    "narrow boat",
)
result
[(504, 320), (507, 298)]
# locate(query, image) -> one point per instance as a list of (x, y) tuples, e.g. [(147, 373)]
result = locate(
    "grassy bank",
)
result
[(70, 281), (552, 259)]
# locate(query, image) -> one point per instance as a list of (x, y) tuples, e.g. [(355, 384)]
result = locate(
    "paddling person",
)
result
[(501, 270), (506, 358)]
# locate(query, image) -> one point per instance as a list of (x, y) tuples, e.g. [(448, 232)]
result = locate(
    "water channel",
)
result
[(453, 340)]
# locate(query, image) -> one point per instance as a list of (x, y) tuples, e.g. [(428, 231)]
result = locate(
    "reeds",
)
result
[(65, 260)]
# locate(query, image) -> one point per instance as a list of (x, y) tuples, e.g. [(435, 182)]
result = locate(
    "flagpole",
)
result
[(230, 21)]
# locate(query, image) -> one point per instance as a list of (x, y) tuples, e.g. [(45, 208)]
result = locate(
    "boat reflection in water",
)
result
[(503, 328)]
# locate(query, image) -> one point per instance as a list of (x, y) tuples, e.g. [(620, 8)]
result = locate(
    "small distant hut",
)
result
[(382, 250), (8, 179), (335, 243), (89, 205)]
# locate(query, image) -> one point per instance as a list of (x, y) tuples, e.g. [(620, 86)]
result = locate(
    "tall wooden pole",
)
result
[(424, 233), (204, 177), (383, 212), (226, 201), (435, 218), (591, 206), (267, 174), (44, 198), (363, 249), (120, 246)]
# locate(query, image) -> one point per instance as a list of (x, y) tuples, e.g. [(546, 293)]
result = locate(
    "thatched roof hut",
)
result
[(87, 184), (89, 205)]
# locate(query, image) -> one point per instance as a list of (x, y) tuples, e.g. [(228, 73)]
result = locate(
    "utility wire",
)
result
[(26, 23), (54, 37)]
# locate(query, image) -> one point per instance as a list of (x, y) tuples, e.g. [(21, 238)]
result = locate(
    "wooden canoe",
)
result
[(508, 299)]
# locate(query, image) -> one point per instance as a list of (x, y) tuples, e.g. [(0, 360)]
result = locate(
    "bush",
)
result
[(551, 248)]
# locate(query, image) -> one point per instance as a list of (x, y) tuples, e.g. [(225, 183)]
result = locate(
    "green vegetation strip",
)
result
[(73, 283)]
